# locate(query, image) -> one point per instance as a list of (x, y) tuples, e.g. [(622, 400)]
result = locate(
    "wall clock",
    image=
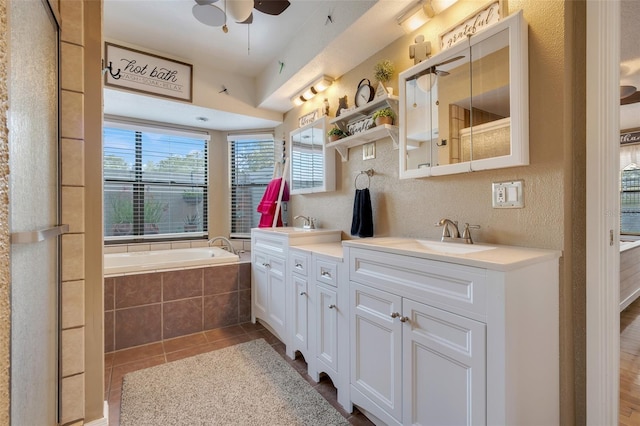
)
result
[(364, 93)]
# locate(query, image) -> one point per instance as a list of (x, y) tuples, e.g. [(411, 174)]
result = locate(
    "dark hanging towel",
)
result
[(362, 223)]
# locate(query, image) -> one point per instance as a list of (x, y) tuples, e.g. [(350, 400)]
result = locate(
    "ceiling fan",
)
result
[(241, 11)]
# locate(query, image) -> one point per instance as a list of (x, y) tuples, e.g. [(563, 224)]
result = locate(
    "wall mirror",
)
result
[(312, 165), (466, 108)]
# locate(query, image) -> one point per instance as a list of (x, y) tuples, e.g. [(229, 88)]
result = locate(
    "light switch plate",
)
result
[(369, 151), (507, 195)]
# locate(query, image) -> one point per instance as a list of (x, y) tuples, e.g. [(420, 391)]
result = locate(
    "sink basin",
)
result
[(453, 248), (291, 229)]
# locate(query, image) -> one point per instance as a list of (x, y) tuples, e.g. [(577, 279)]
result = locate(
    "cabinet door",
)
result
[(444, 369), (260, 279), (376, 347), (327, 323), (300, 324), (277, 294)]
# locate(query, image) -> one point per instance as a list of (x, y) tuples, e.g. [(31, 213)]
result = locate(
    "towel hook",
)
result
[(369, 173)]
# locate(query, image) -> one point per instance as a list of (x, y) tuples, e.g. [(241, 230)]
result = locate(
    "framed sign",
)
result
[(630, 137), (138, 71), (360, 125), (488, 15), (309, 117)]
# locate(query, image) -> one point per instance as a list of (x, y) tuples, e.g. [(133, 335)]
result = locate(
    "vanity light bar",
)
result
[(313, 89)]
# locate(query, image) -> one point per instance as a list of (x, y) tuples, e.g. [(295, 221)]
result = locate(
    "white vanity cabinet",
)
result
[(446, 340), (302, 305), (271, 300)]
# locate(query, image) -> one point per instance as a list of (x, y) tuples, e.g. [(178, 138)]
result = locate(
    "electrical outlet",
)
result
[(507, 195), (369, 151)]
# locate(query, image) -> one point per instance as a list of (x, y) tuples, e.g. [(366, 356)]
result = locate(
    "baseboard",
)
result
[(104, 421)]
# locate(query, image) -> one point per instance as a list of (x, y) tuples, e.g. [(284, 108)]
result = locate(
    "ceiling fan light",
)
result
[(240, 10), (209, 14), (626, 91)]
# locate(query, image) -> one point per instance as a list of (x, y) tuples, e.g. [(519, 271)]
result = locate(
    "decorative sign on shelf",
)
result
[(630, 137), (360, 126), (483, 18), (309, 117), (138, 71)]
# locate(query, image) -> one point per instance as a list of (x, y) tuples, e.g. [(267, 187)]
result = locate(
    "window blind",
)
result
[(251, 166), (155, 183), (630, 200)]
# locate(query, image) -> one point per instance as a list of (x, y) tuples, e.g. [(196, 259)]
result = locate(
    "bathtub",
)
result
[(165, 260)]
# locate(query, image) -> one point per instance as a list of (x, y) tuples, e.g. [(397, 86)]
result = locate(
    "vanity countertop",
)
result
[(327, 249), (489, 256), (628, 245)]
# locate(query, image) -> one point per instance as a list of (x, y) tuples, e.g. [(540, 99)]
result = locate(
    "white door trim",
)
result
[(603, 217)]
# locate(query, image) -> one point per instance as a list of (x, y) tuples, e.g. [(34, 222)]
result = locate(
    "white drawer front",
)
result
[(299, 262), (326, 272), (461, 289), (269, 243)]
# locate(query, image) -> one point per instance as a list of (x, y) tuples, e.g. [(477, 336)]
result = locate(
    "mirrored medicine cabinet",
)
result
[(467, 108), (312, 164)]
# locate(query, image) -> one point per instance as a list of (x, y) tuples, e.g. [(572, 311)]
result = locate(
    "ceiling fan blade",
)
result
[(209, 14), (271, 7), (249, 20), (626, 91)]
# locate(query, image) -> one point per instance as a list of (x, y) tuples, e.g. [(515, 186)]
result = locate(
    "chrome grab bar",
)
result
[(27, 237)]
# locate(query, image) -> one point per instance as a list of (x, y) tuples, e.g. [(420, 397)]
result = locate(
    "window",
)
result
[(155, 183), (630, 200), (251, 165)]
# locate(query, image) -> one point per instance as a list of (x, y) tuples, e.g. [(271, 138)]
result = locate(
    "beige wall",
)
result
[(553, 194)]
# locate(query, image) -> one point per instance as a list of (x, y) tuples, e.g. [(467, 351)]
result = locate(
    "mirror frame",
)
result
[(518, 94), (328, 159)]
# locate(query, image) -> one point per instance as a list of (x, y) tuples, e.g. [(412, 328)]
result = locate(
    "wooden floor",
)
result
[(630, 365)]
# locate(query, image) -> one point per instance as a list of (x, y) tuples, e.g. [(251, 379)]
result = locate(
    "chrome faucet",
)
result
[(308, 222), (450, 231), (225, 240)]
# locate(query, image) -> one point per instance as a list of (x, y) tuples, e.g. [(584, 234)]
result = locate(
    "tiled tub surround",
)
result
[(150, 307)]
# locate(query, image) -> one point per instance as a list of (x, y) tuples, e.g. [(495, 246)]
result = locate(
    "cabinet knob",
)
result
[(299, 265), (304, 293), (395, 315), (404, 319), (332, 306), (326, 274)]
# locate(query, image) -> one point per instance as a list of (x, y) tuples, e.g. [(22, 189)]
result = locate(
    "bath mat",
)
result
[(245, 384)]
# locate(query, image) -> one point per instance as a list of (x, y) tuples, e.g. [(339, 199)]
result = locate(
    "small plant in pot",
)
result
[(383, 116), (383, 71), (191, 223), (335, 134)]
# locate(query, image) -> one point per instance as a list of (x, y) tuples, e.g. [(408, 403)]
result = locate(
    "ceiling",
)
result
[(318, 37)]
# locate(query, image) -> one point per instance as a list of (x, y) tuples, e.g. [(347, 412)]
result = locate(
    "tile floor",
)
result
[(117, 364)]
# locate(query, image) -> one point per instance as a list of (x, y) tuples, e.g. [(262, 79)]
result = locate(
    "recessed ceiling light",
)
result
[(202, 119)]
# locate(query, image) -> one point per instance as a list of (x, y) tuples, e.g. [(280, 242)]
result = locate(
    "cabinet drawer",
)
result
[(458, 288), (326, 272), (299, 262), (273, 244)]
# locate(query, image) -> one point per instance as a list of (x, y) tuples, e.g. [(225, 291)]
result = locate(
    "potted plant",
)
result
[(122, 215), (383, 71), (191, 222), (192, 197), (383, 116), (153, 212), (335, 134)]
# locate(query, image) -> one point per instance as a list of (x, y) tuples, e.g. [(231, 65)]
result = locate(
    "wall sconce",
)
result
[(313, 89), (415, 16)]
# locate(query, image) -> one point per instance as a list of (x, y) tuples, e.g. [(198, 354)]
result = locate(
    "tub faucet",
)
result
[(449, 229), (308, 222), (225, 240)]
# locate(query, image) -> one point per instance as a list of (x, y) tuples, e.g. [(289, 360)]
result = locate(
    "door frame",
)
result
[(603, 212)]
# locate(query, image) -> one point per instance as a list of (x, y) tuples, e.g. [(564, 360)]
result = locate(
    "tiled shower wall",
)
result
[(146, 308)]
